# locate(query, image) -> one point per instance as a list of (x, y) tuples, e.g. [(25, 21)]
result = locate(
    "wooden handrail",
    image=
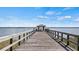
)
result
[(14, 43), (4, 38), (66, 33), (67, 38)]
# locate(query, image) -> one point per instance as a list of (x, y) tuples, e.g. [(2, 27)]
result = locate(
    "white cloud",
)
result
[(58, 13), (50, 13), (63, 17), (53, 13), (37, 8), (67, 17), (67, 8), (12, 21), (42, 17), (76, 19)]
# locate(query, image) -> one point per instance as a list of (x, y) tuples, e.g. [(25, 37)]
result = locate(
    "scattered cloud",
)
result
[(77, 19), (37, 8), (67, 17), (42, 17), (12, 21), (58, 13), (50, 13), (67, 8), (63, 17)]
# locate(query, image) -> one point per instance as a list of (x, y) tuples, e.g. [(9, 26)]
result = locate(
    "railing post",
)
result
[(19, 39), (24, 40), (78, 44), (61, 36), (53, 33), (67, 40), (29, 35), (24, 35), (11, 41), (57, 35)]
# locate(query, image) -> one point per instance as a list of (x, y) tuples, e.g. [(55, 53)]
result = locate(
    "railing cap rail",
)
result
[(4, 38), (7, 47)]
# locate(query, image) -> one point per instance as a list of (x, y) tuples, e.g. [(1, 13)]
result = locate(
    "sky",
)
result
[(33, 16)]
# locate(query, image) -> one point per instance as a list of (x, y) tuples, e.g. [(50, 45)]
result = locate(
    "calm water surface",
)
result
[(72, 30), (4, 31)]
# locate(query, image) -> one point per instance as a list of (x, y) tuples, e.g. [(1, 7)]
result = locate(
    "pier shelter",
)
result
[(40, 28)]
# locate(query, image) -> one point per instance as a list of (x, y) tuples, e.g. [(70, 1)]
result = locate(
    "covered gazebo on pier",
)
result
[(40, 27)]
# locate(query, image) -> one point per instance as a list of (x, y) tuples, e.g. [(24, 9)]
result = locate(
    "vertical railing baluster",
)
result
[(27, 33), (57, 35), (67, 40), (24, 40), (19, 39), (53, 34), (78, 43), (24, 37), (61, 36), (27, 37), (11, 41)]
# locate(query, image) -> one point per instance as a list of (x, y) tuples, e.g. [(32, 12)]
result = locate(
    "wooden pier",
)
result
[(40, 39)]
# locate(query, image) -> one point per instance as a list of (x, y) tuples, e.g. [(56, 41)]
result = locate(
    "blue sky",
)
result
[(32, 16)]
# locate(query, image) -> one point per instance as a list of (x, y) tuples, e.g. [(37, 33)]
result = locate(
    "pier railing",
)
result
[(11, 42), (67, 40)]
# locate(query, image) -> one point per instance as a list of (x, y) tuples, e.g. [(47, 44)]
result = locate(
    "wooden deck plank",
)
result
[(40, 41)]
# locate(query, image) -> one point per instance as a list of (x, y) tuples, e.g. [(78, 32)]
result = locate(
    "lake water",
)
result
[(4, 31)]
